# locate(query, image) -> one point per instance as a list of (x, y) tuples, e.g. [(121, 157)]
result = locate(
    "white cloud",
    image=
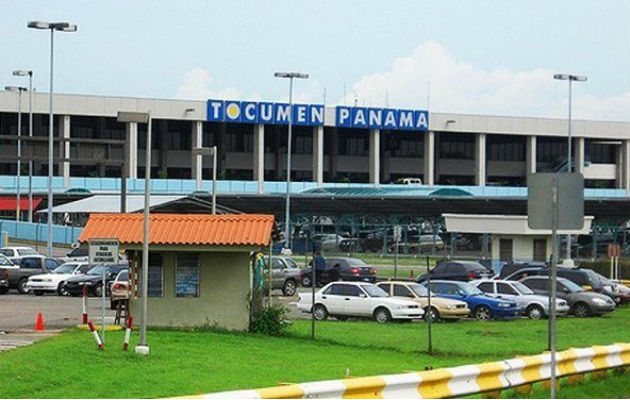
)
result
[(196, 85), (460, 87)]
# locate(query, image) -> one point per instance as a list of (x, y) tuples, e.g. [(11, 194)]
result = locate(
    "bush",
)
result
[(270, 320), (603, 267)]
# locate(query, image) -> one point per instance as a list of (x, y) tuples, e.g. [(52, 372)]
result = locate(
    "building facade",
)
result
[(456, 149)]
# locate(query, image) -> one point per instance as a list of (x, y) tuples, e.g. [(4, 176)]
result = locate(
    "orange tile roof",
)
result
[(182, 229)]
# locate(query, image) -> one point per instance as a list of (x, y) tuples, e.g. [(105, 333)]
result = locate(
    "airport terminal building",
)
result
[(330, 144)]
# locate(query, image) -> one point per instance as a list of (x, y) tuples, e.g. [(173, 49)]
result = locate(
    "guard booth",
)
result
[(199, 265)]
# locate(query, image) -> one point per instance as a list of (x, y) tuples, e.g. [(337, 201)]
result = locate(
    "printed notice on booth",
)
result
[(103, 251)]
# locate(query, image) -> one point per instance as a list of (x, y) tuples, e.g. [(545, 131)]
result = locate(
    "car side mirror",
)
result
[(362, 295)]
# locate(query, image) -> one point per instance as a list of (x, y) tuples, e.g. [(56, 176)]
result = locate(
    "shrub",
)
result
[(603, 267), (270, 320)]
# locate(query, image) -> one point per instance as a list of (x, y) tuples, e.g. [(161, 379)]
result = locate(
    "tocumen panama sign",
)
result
[(313, 115)]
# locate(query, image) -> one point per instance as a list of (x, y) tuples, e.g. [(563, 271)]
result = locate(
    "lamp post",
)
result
[(19, 90), (571, 78), (287, 216), (208, 151), (52, 27), (29, 73), (140, 117)]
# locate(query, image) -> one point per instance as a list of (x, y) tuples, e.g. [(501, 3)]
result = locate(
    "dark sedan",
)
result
[(341, 268), (583, 303), (93, 280), (464, 271)]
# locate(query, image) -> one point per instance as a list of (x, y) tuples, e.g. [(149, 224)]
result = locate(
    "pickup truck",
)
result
[(31, 265)]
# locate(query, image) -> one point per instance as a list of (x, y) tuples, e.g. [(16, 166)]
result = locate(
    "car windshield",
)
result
[(470, 289), (572, 286), (7, 252), (522, 289), (355, 262), (601, 279), (65, 269), (291, 263), (374, 291), (420, 290), (97, 270), (27, 252)]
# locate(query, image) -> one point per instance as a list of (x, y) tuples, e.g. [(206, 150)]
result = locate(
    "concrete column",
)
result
[(197, 141), (318, 155), (259, 156), (429, 158), (531, 155), (624, 165), (480, 159), (131, 150), (375, 156), (64, 149), (334, 154), (578, 154), (163, 146)]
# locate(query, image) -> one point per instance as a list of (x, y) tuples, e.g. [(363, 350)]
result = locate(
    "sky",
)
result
[(493, 57)]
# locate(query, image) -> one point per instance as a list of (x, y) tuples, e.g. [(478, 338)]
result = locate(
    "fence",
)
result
[(38, 232), (519, 373)]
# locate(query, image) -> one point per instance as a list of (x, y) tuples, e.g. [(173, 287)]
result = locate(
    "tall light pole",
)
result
[(570, 78), (208, 151), (287, 215), (19, 90), (140, 117), (29, 73), (52, 27)]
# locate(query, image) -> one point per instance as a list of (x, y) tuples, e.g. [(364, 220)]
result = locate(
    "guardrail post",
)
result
[(524, 390), (495, 394), (597, 375), (575, 379)]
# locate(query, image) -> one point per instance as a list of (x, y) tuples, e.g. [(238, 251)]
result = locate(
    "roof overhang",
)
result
[(504, 225)]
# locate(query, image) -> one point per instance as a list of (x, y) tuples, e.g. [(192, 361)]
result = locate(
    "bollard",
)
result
[(85, 316), (96, 336), (128, 333)]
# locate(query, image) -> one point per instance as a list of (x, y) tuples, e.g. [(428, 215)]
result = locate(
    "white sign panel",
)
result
[(103, 251)]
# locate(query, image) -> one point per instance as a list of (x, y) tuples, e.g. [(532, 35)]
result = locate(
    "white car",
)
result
[(55, 281), (16, 253), (533, 305), (358, 299)]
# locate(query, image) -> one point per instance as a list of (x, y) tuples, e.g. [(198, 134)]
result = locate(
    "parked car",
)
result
[(93, 279), (582, 303), (341, 268), (457, 271), (512, 267), (5, 265), (119, 289), (55, 281), (441, 308), (17, 252), (285, 274), (79, 254), (27, 267), (534, 306), (586, 278), (482, 307), (358, 299)]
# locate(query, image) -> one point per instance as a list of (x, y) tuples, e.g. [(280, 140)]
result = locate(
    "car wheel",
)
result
[(4, 290), (320, 312), (535, 312), (97, 290), (382, 315), (21, 286), (581, 310), (306, 281), (433, 314), (38, 292), (289, 288), (483, 313), (62, 290), (112, 305)]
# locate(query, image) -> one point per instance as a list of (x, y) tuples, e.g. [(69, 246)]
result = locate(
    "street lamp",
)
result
[(208, 151), (63, 27), (19, 90), (145, 118), (290, 76), (29, 73), (570, 78)]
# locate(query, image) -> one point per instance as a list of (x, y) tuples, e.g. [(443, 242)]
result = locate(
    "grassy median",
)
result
[(190, 362)]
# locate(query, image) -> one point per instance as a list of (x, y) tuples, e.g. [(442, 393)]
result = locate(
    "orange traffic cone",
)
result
[(411, 274), (39, 325)]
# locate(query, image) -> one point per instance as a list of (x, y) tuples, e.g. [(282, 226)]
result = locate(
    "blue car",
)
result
[(482, 307)]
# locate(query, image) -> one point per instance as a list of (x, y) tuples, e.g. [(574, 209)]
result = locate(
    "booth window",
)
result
[(156, 276), (187, 275)]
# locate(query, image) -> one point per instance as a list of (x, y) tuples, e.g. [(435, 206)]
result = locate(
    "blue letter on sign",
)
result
[(422, 120), (375, 117), (343, 116), (250, 111), (301, 114), (281, 113), (389, 119), (215, 110), (265, 113), (317, 115), (405, 119), (233, 111)]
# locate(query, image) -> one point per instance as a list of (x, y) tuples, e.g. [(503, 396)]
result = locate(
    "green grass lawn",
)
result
[(191, 362)]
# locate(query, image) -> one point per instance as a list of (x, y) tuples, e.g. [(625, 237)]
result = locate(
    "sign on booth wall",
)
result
[(313, 115), (103, 251)]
